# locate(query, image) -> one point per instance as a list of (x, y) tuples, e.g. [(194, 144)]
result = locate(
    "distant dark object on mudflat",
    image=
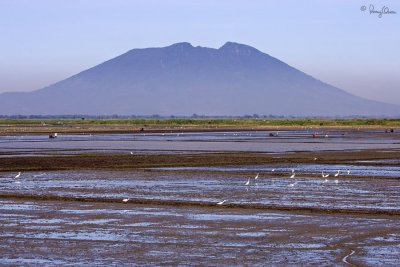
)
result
[(389, 130), (54, 135), (273, 134)]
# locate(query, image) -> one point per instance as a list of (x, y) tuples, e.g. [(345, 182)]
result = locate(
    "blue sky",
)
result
[(44, 41)]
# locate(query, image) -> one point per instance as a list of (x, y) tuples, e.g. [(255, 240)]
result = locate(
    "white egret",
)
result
[(293, 175), (345, 258), (222, 202), (18, 175), (325, 175), (256, 177), (337, 174), (248, 182), (125, 200)]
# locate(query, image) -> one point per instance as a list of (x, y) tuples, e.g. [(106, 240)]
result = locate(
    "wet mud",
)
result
[(193, 199)]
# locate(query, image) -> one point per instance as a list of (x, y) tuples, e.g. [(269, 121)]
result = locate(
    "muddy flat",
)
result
[(63, 232), (178, 142), (201, 198)]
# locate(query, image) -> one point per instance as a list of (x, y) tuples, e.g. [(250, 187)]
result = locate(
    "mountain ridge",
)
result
[(181, 79)]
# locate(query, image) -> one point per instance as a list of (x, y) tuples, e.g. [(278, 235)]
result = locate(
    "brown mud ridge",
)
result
[(135, 161), (181, 203)]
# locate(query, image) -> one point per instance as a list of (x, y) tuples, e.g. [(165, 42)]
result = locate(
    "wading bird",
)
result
[(256, 177), (125, 200), (18, 175), (222, 202), (325, 175), (337, 174), (293, 175), (248, 182)]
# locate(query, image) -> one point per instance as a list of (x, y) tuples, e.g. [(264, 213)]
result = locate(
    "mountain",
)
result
[(180, 79)]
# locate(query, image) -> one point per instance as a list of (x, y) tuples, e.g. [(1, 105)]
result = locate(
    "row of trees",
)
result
[(154, 116)]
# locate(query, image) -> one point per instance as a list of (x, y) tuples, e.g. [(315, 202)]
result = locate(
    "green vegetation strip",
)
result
[(207, 122)]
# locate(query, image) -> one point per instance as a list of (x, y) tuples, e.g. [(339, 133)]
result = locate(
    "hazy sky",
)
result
[(44, 41)]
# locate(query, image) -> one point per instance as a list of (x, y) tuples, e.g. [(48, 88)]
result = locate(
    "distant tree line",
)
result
[(157, 116)]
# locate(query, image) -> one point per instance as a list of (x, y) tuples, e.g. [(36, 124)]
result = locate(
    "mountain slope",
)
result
[(181, 79)]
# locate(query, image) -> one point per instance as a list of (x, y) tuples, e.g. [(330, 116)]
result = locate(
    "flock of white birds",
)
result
[(294, 183), (292, 176)]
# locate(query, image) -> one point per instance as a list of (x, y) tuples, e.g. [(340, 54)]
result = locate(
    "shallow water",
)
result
[(256, 141), (303, 169), (98, 233), (208, 236), (347, 192)]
